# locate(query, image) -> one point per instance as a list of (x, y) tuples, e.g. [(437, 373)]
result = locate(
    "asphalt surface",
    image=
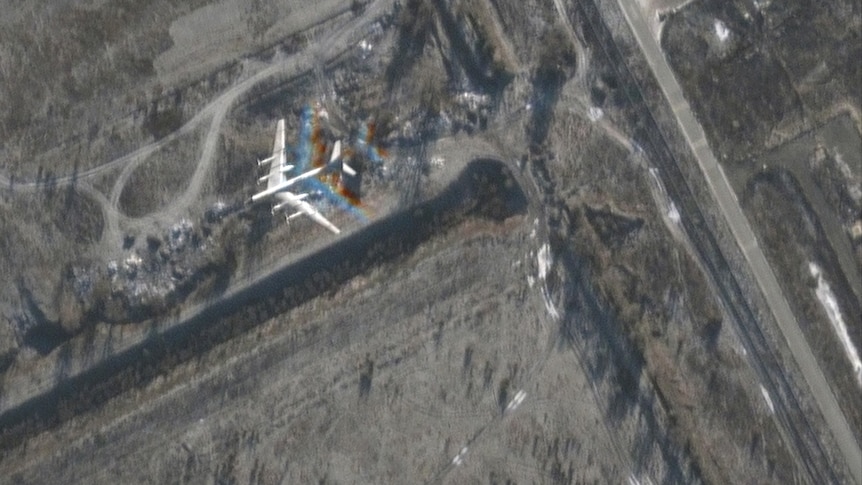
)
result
[(730, 209)]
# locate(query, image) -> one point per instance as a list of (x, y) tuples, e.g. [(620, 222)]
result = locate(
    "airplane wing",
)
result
[(301, 205), (277, 160), (275, 178), (276, 175)]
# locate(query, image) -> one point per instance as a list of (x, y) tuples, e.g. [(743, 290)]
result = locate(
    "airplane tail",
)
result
[(347, 169), (336, 152)]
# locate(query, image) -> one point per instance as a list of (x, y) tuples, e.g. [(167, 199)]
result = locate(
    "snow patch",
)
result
[(853, 184), (180, 235), (549, 305), (365, 48), (833, 311), (545, 261), (721, 30), (543, 258), (673, 213), (761, 4), (653, 172), (767, 399), (473, 101), (131, 264)]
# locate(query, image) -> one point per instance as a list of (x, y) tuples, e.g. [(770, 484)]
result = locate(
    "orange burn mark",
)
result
[(319, 153), (332, 178), (317, 142), (369, 135), (351, 197)]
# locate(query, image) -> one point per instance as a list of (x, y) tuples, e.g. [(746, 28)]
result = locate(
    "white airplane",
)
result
[(277, 186)]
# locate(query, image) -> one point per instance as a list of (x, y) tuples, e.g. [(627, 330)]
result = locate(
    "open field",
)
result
[(541, 293)]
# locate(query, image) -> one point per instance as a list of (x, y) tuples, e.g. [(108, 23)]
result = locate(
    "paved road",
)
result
[(730, 209)]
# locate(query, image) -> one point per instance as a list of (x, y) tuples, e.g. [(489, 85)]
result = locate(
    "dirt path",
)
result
[(580, 53)]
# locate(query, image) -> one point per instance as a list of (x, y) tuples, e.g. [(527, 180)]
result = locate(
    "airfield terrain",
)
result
[(609, 242)]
